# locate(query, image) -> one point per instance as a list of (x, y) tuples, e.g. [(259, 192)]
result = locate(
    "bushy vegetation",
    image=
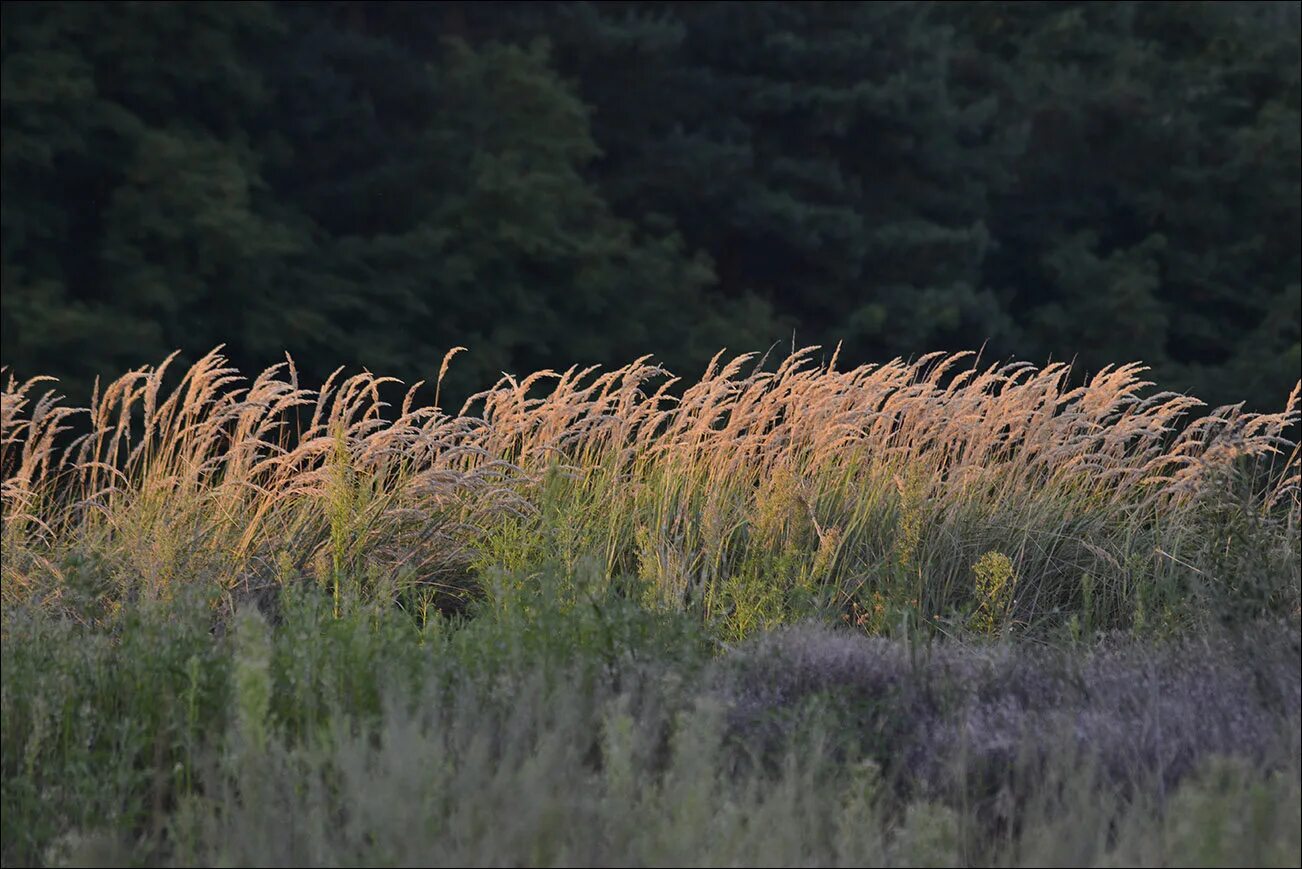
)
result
[(943, 612), (559, 725)]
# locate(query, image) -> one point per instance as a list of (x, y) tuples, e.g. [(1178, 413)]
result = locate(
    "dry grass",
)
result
[(742, 494)]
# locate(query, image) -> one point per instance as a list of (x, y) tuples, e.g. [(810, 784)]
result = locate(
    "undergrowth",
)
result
[(557, 723)]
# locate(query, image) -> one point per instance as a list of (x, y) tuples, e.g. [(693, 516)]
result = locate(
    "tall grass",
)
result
[(936, 491)]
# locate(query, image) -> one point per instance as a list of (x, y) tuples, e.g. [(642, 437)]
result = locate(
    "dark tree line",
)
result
[(371, 184)]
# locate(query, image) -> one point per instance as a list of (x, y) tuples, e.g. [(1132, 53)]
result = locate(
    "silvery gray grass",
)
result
[(1002, 495), (1140, 713)]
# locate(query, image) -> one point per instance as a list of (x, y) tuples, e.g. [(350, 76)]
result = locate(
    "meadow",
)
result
[(945, 611)]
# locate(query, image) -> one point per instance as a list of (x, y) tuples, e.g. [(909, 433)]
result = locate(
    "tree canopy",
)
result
[(374, 183)]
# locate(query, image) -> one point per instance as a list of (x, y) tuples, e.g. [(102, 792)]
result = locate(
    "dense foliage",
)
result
[(372, 184)]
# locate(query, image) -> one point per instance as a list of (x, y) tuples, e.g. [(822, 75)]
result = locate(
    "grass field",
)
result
[(940, 612)]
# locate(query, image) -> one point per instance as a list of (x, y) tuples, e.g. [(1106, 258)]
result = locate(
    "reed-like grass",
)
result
[(941, 490)]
